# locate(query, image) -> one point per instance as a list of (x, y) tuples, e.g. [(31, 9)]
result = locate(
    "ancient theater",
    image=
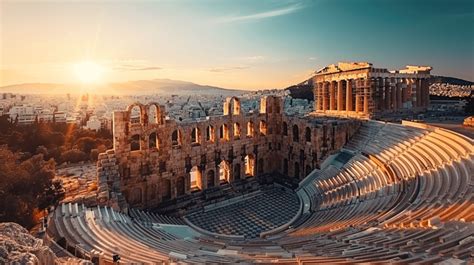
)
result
[(334, 186)]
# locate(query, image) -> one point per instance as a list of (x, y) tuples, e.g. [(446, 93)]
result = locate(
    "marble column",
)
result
[(387, 93), (358, 99), (348, 95), (418, 93), (325, 95), (340, 100), (393, 97), (332, 95)]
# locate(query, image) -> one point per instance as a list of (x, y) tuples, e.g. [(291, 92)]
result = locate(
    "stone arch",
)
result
[(249, 165), (136, 113), (153, 140), (296, 170), (180, 186), (195, 178), (250, 129), (176, 138), (151, 192), (260, 167), (296, 133), (224, 132), (285, 129), (135, 196), (135, 143), (285, 167), (210, 178), (263, 127), (155, 113), (308, 134), (232, 106), (236, 130), (165, 189), (195, 136), (210, 134), (224, 171)]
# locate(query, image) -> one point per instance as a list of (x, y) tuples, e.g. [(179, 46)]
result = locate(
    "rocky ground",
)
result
[(17, 246), (79, 182)]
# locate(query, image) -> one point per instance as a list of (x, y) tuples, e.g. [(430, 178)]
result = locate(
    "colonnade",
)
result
[(369, 95)]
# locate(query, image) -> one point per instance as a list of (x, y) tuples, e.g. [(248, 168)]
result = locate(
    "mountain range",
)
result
[(139, 87)]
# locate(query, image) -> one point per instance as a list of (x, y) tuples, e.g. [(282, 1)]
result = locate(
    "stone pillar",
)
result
[(393, 97), (426, 87), (413, 92), (348, 95), (325, 96), (399, 95), (340, 100), (317, 96), (358, 103), (332, 95), (387, 94), (418, 93)]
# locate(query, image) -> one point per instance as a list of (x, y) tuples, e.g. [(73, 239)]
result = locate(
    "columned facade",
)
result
[(360, 90)]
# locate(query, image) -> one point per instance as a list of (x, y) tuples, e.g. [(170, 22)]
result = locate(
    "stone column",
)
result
[(399, 94), (325, 95), (426, 87), (348, 95), (418, 93), (317, 97), (393, 97), (413, 92), (387, 93), (332, 96), (340, 99), (358, 102)]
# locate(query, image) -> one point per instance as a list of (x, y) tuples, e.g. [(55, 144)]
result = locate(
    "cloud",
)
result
[(263, 15), (312, 58), (226, 69)]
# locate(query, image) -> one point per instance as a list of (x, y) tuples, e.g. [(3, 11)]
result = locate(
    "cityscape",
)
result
[(236, 132)]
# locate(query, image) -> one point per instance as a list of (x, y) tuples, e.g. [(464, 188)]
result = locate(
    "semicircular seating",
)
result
[(405, 196)]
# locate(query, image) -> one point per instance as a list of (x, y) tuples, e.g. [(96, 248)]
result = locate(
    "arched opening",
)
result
[(210, 134), (236, 171), (250, 129), (224, 172), (180, 186), (236, 130), (297, 170), (260, 166), (263, 128), (249, 165), (308, 134), (176, 138), (285, 167), (296, 133), (151, 192), (153, 140), (210, 178), (224, 133), (152, 114), (166, 189), (135, 143), (236, 106), (195, 178), (135, 114), (285, 129), (195, 136)]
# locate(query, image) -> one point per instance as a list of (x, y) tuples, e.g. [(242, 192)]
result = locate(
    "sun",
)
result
[(88, 72)]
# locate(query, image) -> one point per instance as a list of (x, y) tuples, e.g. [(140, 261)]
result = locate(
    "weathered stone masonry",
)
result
[(154, 159)]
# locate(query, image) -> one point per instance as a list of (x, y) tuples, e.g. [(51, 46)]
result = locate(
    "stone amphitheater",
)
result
[(270, 188)]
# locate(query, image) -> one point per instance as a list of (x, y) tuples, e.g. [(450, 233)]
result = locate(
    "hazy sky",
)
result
[(236, 44)]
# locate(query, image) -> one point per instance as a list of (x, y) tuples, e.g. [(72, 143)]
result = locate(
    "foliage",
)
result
[(25, 187)]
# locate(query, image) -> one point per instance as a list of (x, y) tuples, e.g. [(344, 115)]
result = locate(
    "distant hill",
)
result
[(450, 80), (140, 87), (304, 90)]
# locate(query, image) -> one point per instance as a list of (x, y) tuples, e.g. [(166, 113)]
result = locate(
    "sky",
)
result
[(242, 44)]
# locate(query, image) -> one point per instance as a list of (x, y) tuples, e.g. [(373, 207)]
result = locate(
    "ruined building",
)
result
[(155, 159), (361, 90)]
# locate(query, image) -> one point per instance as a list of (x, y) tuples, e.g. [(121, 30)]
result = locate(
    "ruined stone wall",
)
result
[(154, 159)]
